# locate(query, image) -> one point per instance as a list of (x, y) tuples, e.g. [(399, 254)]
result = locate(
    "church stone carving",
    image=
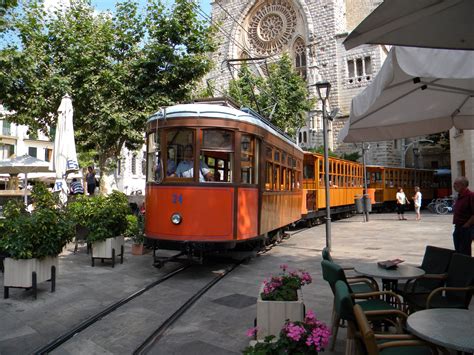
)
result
[(271, 26)]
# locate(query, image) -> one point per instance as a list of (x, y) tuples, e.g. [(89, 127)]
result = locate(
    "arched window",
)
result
[(300, 138), (299, 49), (305, 137)]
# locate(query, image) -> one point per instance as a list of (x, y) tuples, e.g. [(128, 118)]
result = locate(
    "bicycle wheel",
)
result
[(431, 207), (442, 208)]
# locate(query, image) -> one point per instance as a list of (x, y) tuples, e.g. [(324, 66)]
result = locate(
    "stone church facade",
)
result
[(312, 32)]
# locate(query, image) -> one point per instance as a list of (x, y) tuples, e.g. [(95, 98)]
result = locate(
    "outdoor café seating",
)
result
[(389, 344), (435, 263), (332, 273), (457, 289), (344, 309)]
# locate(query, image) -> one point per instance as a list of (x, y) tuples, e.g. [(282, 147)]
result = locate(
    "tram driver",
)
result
[(185, 168)]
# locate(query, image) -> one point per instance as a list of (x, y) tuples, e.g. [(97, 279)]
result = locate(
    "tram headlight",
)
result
[(176, 218)]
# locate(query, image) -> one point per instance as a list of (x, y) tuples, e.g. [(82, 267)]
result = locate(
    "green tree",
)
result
[(118, 67), (320, 150), (283, 94), (6, 6)]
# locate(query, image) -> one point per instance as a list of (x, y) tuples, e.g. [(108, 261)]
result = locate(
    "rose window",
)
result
[(271, 27)]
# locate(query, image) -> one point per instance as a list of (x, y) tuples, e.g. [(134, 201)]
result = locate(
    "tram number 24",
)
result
[(177, 198)]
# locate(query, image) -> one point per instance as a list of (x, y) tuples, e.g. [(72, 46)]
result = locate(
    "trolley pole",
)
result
[(364, 195)]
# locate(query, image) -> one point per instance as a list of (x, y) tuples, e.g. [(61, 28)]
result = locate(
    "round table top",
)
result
[(448, 327), (400, 273)]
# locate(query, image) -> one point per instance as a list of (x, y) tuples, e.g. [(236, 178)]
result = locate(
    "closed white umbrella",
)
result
[(24, 164), (65, 157), (417, 91), (445, 24)]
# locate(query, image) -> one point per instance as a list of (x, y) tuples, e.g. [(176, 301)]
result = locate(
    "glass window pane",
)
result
[(247, 159), (154, 171), (217, 139), (217, 155), (180, 153)]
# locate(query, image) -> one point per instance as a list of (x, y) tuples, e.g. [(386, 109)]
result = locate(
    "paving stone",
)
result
[(236, 301)]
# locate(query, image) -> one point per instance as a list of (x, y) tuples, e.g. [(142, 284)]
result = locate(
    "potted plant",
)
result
[(280, 299), (33, 241), (105, 219), (308, 336), (134, 231)]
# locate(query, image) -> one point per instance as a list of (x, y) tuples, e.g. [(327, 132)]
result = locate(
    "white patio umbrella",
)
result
[(23, 165), (417, 91), (445, 24), (65, 157)]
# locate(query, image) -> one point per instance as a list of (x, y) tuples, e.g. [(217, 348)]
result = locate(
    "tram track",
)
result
[(113, 310), (54, 344)]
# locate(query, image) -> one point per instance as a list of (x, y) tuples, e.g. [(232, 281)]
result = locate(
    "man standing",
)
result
[(463, 218)]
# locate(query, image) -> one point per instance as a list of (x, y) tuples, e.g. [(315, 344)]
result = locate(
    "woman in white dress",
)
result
[(417, 202)]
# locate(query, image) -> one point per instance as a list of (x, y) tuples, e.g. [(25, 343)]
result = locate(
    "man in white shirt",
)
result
[(185, 168)]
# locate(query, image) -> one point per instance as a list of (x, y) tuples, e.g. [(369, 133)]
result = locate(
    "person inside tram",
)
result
[(185, 168), (170, 165)]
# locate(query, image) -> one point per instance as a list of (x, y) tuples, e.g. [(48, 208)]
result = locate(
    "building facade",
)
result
[(311, 32)]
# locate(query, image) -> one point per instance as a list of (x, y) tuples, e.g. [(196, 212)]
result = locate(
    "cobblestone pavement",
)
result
[(218, 321)]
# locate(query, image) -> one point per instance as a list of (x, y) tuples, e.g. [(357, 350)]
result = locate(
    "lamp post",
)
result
[(416, 154), (364, 195), (324, 87)]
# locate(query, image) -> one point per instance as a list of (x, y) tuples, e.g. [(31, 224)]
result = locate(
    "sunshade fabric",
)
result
[(65, 157), (23, 164), (445, 24), (417, 91)]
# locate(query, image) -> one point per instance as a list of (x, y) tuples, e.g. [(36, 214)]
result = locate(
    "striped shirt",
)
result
[(76, 188)]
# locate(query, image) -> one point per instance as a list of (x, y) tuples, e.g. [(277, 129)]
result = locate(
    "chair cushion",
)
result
[(438, 301), (407, 350), (361, 288), (374, 305), (418, 289)]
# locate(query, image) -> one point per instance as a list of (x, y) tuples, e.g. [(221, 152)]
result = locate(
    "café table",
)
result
[(389, 277), (448, 327)]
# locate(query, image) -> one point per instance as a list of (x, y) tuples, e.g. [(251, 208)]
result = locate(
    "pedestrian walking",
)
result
[(463, 218), (401, 202)]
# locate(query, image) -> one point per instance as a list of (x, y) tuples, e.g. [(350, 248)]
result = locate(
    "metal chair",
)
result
[(457, 289), (360, 288), (435, 264), (389, 343)]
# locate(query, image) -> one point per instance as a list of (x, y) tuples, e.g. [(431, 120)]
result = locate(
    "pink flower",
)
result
[(284, 267), (294, 331), (252, 332), (310, 317)]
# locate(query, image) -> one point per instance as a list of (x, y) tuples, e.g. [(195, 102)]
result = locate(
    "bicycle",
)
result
[(444, 205)]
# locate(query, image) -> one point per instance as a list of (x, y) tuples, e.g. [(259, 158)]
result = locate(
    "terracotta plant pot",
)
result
[(137, 249)]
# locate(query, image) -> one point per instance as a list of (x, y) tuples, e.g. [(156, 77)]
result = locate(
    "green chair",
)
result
[(455, 293), (435, 264), (344, 310), (360, 288), (389, 344)]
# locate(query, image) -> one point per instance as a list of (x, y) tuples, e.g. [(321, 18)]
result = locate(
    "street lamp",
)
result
[(416, 154), (323, 88), (365, 148)]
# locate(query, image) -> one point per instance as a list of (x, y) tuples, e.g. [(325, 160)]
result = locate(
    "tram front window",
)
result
[(217, 154)]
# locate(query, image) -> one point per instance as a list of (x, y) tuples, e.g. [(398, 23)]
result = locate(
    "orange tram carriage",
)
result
[(219, 177), (383, 182)]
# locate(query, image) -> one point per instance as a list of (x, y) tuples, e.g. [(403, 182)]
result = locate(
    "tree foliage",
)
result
[(118, 67), (283, 94)]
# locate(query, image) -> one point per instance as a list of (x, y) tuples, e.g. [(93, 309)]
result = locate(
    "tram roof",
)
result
[(216, 111)]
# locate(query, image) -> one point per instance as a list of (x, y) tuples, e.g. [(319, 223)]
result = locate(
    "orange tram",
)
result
[(219, 177)]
